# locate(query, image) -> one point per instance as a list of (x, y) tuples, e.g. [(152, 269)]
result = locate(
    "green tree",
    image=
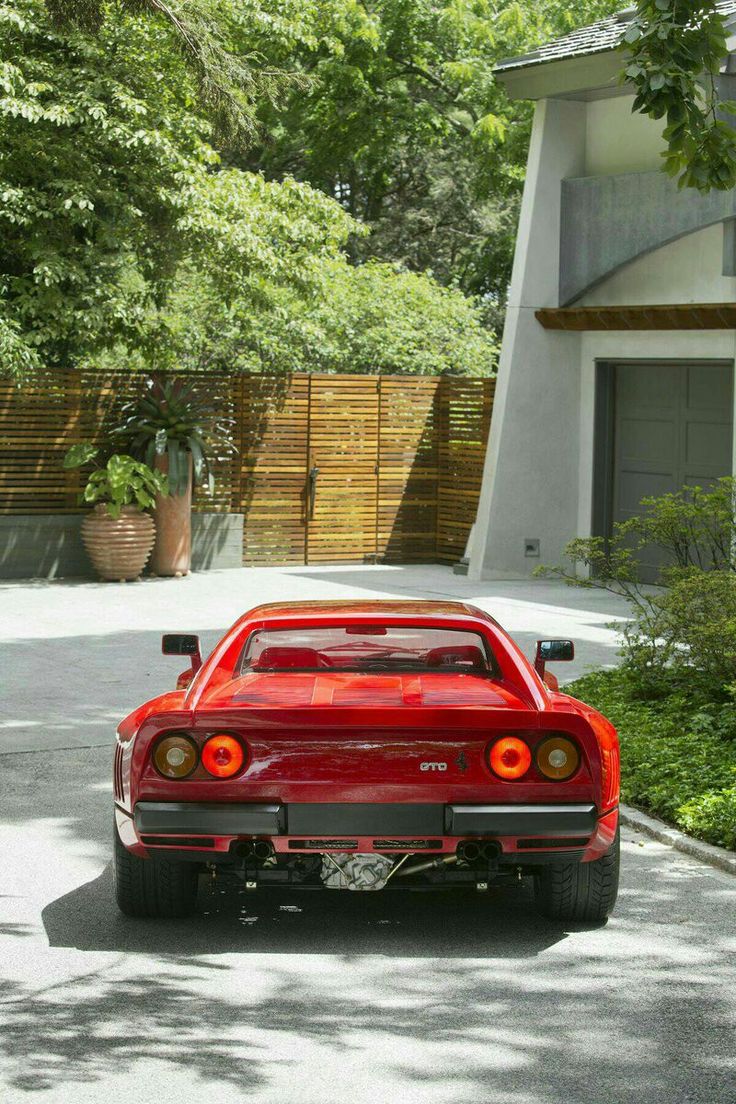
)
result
[(108, 183), (124, 233), (369, 318), (677, 48), (401, 118)]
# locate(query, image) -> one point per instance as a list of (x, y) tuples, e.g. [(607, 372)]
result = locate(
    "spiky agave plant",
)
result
[(174, 418)]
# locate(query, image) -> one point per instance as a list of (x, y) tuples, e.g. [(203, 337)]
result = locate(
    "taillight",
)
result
[(510, 758), (557, 758), (222, 755), (175, 756)]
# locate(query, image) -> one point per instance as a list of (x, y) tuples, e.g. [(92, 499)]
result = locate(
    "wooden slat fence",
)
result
[(397, 461)]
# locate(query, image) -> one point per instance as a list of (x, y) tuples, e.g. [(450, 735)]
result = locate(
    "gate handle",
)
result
[(313, 473)]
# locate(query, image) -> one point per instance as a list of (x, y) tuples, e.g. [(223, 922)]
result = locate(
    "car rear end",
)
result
[(366, 779), (486, 785)]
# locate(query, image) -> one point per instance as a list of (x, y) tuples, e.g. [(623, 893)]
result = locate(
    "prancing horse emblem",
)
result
[(462, 762)]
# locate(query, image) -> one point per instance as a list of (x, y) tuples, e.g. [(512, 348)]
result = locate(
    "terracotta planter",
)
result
[(118, 547), (172, 552)]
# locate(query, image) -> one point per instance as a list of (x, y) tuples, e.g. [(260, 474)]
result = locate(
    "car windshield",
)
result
[(366, 648)]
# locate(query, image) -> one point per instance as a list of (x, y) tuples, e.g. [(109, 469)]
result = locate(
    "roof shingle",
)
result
[(596, 38)]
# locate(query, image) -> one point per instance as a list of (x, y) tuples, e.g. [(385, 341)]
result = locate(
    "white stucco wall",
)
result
[(532, 459), (618, 141), (538, 475)]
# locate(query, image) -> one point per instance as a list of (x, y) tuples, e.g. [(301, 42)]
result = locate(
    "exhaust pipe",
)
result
[(257, 849), (471, 851), (468, 850), (442, 860)]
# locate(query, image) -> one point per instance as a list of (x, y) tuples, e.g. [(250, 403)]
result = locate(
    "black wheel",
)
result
[(153, 887), (579, 891)]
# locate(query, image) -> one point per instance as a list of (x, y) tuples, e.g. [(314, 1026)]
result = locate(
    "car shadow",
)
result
[(439, 924)]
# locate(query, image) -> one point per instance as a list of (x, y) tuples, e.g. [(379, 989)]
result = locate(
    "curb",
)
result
[(658, 830)]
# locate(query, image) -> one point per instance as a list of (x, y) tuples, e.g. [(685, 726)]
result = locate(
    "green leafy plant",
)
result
[(676, 48), (678, 750), (173, 418), (688, 622), (365, 318), (123, 481)]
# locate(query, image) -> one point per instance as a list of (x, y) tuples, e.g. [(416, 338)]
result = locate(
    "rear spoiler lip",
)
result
[(476, 721)]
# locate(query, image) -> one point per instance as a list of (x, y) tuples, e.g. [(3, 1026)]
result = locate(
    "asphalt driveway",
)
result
[(319, 997)]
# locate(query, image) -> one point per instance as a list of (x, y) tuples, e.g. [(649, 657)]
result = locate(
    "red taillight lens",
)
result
[(222, 755), (510, 758)]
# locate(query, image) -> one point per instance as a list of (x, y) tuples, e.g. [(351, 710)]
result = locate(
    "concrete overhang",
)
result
[(590, 77)]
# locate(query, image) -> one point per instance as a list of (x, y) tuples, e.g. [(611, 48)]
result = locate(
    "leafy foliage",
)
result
[(174, 419), (689, 623), (678, 751), (712, 817), (92, 145), (370, 318), (117, 210), (107, 187), (677, 47), (228, 83), (123, 481), (403, 121)]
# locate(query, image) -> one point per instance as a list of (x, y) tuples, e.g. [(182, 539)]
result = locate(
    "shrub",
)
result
[(687, 623), (712, 817), (678, 751)]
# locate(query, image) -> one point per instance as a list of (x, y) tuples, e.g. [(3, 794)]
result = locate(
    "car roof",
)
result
[(365, 607)]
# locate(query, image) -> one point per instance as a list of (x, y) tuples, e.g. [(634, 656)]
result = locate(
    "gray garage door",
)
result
[(673, 426)]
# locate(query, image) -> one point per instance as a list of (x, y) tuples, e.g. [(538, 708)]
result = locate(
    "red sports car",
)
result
[(359, 745)]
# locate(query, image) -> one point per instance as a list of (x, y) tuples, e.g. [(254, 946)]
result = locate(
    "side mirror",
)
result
[(552, 651), (183, 644)]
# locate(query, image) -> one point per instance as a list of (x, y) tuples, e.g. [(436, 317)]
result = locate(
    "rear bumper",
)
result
[(154, 818)]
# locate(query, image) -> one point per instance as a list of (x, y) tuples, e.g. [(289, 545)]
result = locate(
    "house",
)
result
[(616, 373)]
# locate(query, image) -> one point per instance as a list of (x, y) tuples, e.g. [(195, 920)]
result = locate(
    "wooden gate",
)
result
[(355, 469), (342, 475)]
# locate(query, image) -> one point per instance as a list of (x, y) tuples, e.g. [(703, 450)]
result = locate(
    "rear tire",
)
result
[(153, 887), (579, 891)]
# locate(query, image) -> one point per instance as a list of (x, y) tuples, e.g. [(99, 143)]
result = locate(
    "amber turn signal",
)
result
[(222, 755), (557, 758), (175, 756), (510, 758)]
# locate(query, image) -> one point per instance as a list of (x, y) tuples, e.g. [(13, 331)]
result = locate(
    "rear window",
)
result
[(366, 648)]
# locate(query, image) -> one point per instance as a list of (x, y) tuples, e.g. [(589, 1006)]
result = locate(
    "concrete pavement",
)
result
[(318, 997)]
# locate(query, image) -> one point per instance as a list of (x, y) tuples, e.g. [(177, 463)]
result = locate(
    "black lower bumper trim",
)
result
[(191, 818), (347, 820), (362, 819), (521, 820)]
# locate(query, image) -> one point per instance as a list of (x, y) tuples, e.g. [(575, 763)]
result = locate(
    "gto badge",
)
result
[(433, 766)]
